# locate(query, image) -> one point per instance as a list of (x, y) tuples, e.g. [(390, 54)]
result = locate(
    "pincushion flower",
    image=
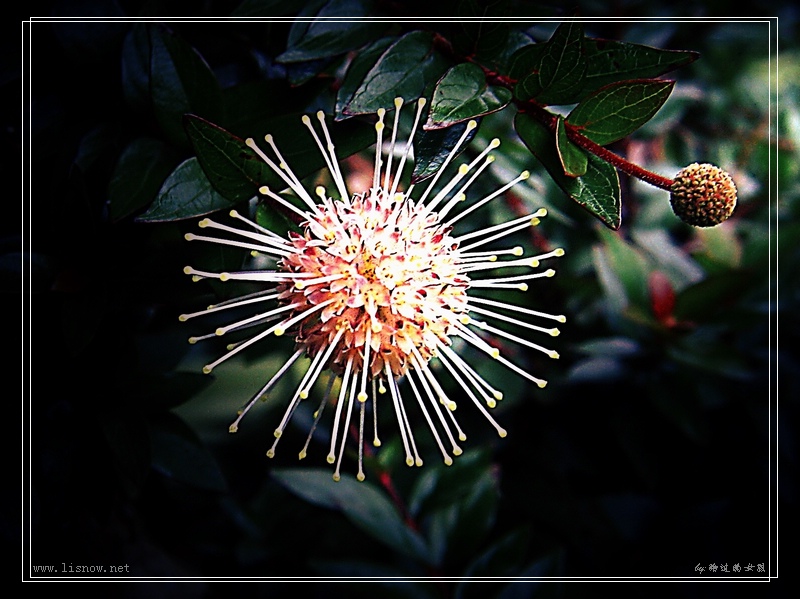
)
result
[(377, 286)]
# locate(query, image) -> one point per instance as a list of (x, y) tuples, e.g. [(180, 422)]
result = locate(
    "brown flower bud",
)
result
[(703, 195)]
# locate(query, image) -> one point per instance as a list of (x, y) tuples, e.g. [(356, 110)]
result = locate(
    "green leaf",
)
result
[(404, 70), (331, 32), (463, 94), (178, 454), (358, 69), (237, 172), (180, 82), (558, 72), (597, 191), (361, 502), (431, 149), (234, 169), (619, 109), (630, 267), (138, 175), (186, 193), (573, 160), (611, 61)]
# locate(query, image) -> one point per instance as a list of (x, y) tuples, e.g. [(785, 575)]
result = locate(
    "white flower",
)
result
[(377, 286)]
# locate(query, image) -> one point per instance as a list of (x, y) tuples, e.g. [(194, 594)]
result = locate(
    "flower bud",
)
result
[(703, 195)]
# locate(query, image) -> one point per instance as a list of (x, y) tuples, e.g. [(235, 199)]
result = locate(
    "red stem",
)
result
[(575, 136)]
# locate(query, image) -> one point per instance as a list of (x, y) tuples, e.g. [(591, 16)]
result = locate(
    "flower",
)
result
[(377, 286), (703, 195)]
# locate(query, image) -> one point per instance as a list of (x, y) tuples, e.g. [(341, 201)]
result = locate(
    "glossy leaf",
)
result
[(404, 70), (186, 193), (431, 149), (237, 172), (180, 82), (597, 191), (138, 176), (573, 160), (361, 502), (559, 69), (231, 166), (463, 94), (619, 109), (333, 31), (358, 69), (609, 61)]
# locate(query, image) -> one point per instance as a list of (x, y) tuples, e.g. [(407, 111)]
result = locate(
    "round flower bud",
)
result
[(703, 195)]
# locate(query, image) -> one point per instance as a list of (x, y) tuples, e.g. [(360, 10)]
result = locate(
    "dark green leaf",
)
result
[(234, 169), (404, 70), (611, 61), (186, 193), (619, 109), (573, 160), (597, 191), (361, 502), (332, 33), (558, 74), (180, 82), (356, 72), (251, 105), (178, 454), (237, 172), (273, 220), (525, 60), (431, 149), (463, 94), (629, 266), (139, 174), (476, 35)]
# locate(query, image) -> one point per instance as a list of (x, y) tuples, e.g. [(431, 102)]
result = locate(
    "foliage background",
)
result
[(646, 454)]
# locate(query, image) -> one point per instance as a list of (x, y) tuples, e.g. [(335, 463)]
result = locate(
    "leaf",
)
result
[(361, 502), (138, 175), (630, 267), (186, 193), (331, 32), (431, 149), (597, 191), (237, 172), (463, 94), (619, 109), (234, 169), (180, 82), (559, 68), (358, 69), (404, 70), (178, 454), (611, 61), (573, 160)]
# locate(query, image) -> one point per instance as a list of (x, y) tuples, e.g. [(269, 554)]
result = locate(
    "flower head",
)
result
[(376, 286), (703, 195)]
